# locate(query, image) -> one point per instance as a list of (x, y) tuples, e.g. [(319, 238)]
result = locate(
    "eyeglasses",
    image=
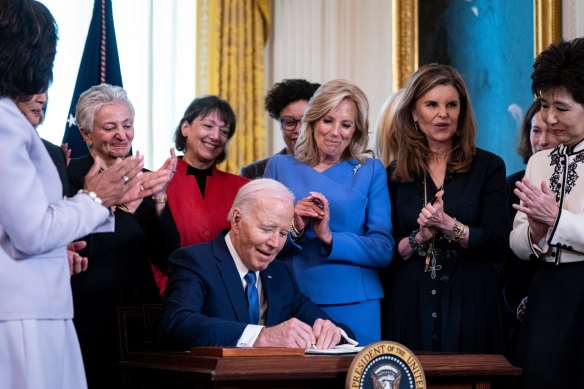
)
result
[(288, 123)]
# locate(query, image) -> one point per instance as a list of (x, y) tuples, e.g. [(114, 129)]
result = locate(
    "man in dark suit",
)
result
[(207, 301)]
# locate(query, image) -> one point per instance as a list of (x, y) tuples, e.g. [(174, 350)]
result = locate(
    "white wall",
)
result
[(572, 19), (320, 40)]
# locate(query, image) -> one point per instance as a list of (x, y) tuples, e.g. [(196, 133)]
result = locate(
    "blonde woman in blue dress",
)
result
[(342, 225)]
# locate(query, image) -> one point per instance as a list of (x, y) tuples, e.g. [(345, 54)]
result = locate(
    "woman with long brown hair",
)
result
[(450, 221)]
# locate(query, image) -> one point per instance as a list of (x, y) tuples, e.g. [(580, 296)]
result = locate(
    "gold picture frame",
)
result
[(547, 29)]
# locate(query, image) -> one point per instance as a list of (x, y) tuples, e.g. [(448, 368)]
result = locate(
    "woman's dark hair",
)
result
[(28, 44), (560, 65), (288, 92), (524, 145), (201, 107)]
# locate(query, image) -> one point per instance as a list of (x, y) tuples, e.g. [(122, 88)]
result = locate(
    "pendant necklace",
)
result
[(430, 262)]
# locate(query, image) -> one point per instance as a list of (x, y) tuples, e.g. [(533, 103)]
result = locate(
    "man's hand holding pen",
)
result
[(324, 334)]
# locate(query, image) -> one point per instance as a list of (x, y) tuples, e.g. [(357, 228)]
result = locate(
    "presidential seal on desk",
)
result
[(385, 365)]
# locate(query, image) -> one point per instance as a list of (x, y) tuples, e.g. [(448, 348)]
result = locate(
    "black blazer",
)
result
[(119, 274), (58, 157)]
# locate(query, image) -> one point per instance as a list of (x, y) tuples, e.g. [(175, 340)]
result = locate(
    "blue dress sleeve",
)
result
[(373, 248)]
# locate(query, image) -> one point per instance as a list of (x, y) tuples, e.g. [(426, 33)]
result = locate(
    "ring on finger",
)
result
[(125, 178)]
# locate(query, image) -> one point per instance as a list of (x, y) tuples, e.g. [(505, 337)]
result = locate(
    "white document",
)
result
[(340, 349)]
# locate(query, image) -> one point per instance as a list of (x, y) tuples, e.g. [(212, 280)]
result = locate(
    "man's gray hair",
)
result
[(93, 99), (259, 188)]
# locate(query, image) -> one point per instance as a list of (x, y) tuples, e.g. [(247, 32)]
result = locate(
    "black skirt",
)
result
[(552, 337)]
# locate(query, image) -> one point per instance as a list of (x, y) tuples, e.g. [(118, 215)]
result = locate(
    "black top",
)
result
[(200, 176)]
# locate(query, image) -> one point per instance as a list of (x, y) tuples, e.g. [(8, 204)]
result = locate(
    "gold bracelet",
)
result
[(160, 200), (123, 208), (458, 232), (294, 233)]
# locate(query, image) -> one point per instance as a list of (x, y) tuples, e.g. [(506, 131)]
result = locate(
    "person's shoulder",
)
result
[(192, 255), (545, 154), (485, 156), (254, 169), (374, 163), (517, 176), (283, 158), (9, 110), (230, 177), (284, 162), (50, 146), (13, 121), (372, 166)]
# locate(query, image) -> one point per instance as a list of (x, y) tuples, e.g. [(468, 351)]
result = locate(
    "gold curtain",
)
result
[(230, 56)]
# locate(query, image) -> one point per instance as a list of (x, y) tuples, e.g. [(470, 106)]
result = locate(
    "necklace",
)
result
[(430, 261), (435, 178)]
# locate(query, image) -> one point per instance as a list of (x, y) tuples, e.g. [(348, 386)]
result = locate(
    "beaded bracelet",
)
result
[(421, 248), (92, 195)]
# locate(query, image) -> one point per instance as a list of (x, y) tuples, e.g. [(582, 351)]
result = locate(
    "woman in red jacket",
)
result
[(200, 195)]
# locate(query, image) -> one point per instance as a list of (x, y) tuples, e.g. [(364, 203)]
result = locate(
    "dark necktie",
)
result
[(253, 302)]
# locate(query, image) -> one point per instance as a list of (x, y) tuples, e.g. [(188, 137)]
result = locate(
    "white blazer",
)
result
[(36, 224)]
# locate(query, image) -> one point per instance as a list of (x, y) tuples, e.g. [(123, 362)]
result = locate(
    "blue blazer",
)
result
[(360, 223), (205, 304)]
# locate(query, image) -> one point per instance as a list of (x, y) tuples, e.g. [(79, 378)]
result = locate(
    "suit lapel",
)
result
[(274, 304), (230, 277)]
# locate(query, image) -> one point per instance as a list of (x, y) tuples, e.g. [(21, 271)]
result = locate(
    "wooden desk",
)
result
[(183, 370), (146, 369)]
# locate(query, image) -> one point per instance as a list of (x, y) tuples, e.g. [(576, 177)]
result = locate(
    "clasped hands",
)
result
[(539, 205), (124, 182), (315, 209), (294, 333), (431, 219)]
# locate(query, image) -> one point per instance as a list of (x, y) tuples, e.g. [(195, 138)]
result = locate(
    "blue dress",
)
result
[(343, 281)]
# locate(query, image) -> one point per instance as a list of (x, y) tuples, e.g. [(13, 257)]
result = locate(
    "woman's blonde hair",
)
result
[(325, 99), (386, 115), (408, 147)]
